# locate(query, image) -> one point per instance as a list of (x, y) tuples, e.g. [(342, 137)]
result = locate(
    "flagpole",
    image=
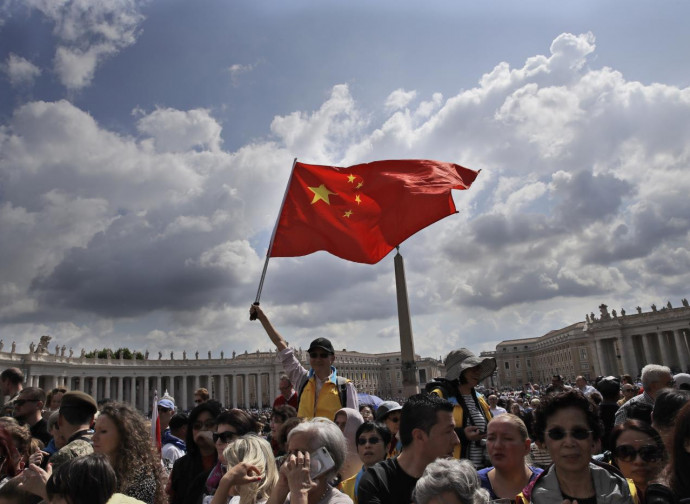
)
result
[(273, 236), (407, 356)]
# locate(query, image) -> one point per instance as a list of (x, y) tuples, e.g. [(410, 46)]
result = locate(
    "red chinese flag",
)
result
[(362, 212)]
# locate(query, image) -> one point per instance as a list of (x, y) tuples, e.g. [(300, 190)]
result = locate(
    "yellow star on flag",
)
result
[(358, 199), (348, 213), (350, 178), (321, 193), (360, 185)]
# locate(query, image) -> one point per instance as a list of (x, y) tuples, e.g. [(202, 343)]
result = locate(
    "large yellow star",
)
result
[(358, 199), (350, 178), (321, 193)]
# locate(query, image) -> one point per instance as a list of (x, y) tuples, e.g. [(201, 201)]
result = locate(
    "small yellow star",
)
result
[(350, 178), (359, 185), (358, 199), (321, 193), (348, 213)]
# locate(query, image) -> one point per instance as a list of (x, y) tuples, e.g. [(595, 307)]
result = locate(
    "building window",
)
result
[(517, 364), (507, 365), (583, 354), (529, 363)]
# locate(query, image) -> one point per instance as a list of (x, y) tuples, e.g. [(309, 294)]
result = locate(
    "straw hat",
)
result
[(458, 361)]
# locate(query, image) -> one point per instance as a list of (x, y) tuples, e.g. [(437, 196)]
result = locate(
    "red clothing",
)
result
[(280, 400)]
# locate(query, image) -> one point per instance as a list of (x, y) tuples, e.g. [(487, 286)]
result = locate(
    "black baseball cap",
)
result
[(322, 343)]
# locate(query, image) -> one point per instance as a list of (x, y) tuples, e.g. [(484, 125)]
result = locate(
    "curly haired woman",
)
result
[(121, 434)]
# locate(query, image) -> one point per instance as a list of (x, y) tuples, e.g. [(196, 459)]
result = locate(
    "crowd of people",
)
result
[(616, 440)]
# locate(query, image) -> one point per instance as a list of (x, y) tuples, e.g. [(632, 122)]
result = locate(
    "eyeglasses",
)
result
[(319, 355), (372, 440), (558, 433), (207, 425), (22, 402), (628, 453), (225, 437)]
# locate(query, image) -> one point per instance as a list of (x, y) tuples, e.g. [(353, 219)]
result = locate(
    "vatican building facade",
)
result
[(609, 343)]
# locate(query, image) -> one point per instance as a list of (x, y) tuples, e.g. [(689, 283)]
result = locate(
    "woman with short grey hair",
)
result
[(453, 481), (303, 483)]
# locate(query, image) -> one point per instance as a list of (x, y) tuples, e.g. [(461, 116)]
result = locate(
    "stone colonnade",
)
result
[(628, 353), (238, 385)]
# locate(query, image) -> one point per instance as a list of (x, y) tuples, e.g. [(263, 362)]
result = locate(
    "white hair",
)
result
[(653, 373), (450, 475)]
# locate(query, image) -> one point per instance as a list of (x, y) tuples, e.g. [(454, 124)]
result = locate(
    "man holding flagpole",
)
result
[(321, 391)]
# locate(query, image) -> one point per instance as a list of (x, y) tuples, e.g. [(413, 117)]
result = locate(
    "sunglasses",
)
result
[(208, 425), (628, 453), (558, 433), (372, 440), (319, 355), (225, 437), (22, 402)]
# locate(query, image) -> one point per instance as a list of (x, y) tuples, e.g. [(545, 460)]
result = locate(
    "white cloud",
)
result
[(582, 200), (180, 131), (399, 99), (88, 32), (20, 71), (237, 70)]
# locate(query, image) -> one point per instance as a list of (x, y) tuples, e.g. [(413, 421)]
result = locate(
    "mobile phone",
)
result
[(320, 462)]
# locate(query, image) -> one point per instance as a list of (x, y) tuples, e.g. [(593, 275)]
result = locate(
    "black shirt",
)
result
[(386, 483), (39, 430)]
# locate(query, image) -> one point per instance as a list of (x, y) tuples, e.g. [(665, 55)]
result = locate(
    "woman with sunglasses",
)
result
[(185, 484), (372, 438), (638, 451), (568, 424), (229, 425)]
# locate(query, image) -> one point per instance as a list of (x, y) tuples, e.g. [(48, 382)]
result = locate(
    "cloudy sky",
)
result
[(145, 147)]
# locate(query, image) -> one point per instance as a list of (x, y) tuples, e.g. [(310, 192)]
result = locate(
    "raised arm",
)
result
[(276, 338)]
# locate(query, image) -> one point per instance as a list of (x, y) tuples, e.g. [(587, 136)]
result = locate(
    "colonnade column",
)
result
[(682, 347), (628, 351), (196, 382), (666, 354), (82, 379), (209, 381), (133, 392), (259, 398), (649, 357), (94, 387), (182, 402), (222, 389), (246, 391), (145, 395), (159, 383), (601, 358), (171, 386), (120, 389), (106, 392), (234, 391)]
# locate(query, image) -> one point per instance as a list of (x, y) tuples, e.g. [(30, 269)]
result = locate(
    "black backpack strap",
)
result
[(342, 390)]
